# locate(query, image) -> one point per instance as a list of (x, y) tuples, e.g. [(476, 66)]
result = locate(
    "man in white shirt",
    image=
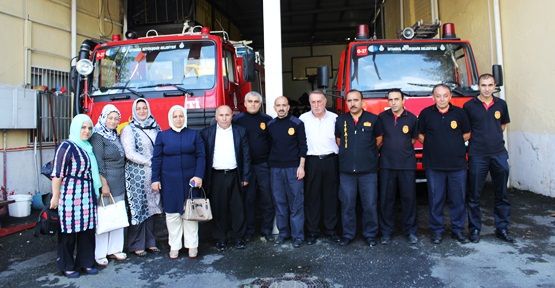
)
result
[(321, 181), (228, 168)]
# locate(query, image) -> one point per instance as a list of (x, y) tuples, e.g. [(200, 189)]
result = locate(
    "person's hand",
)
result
[(198, 181), (54, 202), (156, 186), (105, 190), (244, 183), (300, 173)]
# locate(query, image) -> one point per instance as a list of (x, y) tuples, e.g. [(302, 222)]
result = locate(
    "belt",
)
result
[(322, 157), (224, 171)]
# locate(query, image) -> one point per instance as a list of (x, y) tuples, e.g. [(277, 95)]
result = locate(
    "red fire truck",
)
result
[(199, 68), (414, 64)]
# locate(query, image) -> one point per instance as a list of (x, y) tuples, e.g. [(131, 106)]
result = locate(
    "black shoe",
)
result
[(460, 237), (240, 244), (334, 238), (280, 240), (344, 241), (248, 238), (220, 246), (371, 242), (90, 271), (474, 236), (437, 238), (269, 238), (503, 234), (412, 239), (297, 243), (310, 240), (386, 239), (71, 274)]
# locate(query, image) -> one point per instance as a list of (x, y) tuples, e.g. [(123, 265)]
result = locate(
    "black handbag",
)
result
[(48, 222)]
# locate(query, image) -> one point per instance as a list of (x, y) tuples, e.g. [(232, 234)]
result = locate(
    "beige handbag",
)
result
[(197, 209)]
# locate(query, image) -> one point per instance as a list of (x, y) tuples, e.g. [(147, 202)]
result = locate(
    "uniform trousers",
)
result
[(365, 185), (141, 236), (258, 200), (181, 230), (498, 167), (289, 202), (320, 194), (83, 242), (227, 205), (108, 243), (391, 181), (444, 184)]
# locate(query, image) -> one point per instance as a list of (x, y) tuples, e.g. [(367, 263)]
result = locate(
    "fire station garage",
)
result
[(290, 48)]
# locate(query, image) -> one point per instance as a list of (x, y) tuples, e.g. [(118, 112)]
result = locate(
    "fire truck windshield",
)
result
[(415, 68), (146, 67)]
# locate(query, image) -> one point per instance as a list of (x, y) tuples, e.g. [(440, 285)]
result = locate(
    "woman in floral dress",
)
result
[(138, 140)]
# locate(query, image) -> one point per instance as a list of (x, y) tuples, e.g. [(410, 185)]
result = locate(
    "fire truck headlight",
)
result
[(84, 67)]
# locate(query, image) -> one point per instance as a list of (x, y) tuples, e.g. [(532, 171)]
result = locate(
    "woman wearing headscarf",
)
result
[(178, 160), (138, 139), (111, 165), (75, 179)]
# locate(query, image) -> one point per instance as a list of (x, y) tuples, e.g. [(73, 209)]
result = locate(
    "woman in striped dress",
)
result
[(75, 177)]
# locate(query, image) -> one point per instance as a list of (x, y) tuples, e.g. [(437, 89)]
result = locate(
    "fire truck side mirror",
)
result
[(323, 78), (497, 71)]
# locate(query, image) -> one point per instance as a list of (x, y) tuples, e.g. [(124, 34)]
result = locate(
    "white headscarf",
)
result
[(100, 127), (149, 122), (170, 117)]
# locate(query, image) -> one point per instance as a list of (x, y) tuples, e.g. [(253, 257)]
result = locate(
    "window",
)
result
[(54, 105)]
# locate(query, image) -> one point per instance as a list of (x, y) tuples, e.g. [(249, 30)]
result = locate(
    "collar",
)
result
[(448, 109), (222, 129), (323, 117)]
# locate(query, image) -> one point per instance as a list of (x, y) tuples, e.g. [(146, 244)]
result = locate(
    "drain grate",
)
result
[(289, 281)]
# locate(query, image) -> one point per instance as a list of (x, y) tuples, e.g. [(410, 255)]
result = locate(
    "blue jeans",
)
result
[(259, 187), (288, 196), (498, 167), (451, 185), (350, 185)]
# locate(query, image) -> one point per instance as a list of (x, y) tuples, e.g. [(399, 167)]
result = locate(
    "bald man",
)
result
[(286, 161), (228, 167)]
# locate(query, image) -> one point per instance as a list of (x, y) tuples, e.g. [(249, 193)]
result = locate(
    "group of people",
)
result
[(96, 165), (308, 173)]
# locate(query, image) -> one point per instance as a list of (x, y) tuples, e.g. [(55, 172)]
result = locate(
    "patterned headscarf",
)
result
[(75, 137), (170, 117), (100, 127), (149, 122)]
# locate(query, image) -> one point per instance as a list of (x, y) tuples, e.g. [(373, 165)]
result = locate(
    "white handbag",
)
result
[(197, 209), (112, 216)]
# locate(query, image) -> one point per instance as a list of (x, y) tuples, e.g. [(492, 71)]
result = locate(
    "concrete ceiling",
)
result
[(303, 22)]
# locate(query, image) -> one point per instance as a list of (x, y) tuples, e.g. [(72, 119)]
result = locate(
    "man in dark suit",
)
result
[(227, 164)]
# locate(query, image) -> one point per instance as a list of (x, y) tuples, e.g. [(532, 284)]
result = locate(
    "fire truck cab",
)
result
[(414, 64), (199, 69)]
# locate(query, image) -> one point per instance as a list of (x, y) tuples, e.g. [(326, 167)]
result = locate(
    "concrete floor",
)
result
[(26, 261)]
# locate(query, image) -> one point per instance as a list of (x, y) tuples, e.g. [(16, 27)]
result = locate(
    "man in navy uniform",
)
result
[(444, 129), (287, 160), (322, 176), (358, 136), (489, 117), (227, 165), (258, 196), (397, 167)]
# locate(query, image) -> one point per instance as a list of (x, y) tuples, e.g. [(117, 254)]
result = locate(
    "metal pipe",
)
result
[(73, 28), (498, 40), (5, 163)]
